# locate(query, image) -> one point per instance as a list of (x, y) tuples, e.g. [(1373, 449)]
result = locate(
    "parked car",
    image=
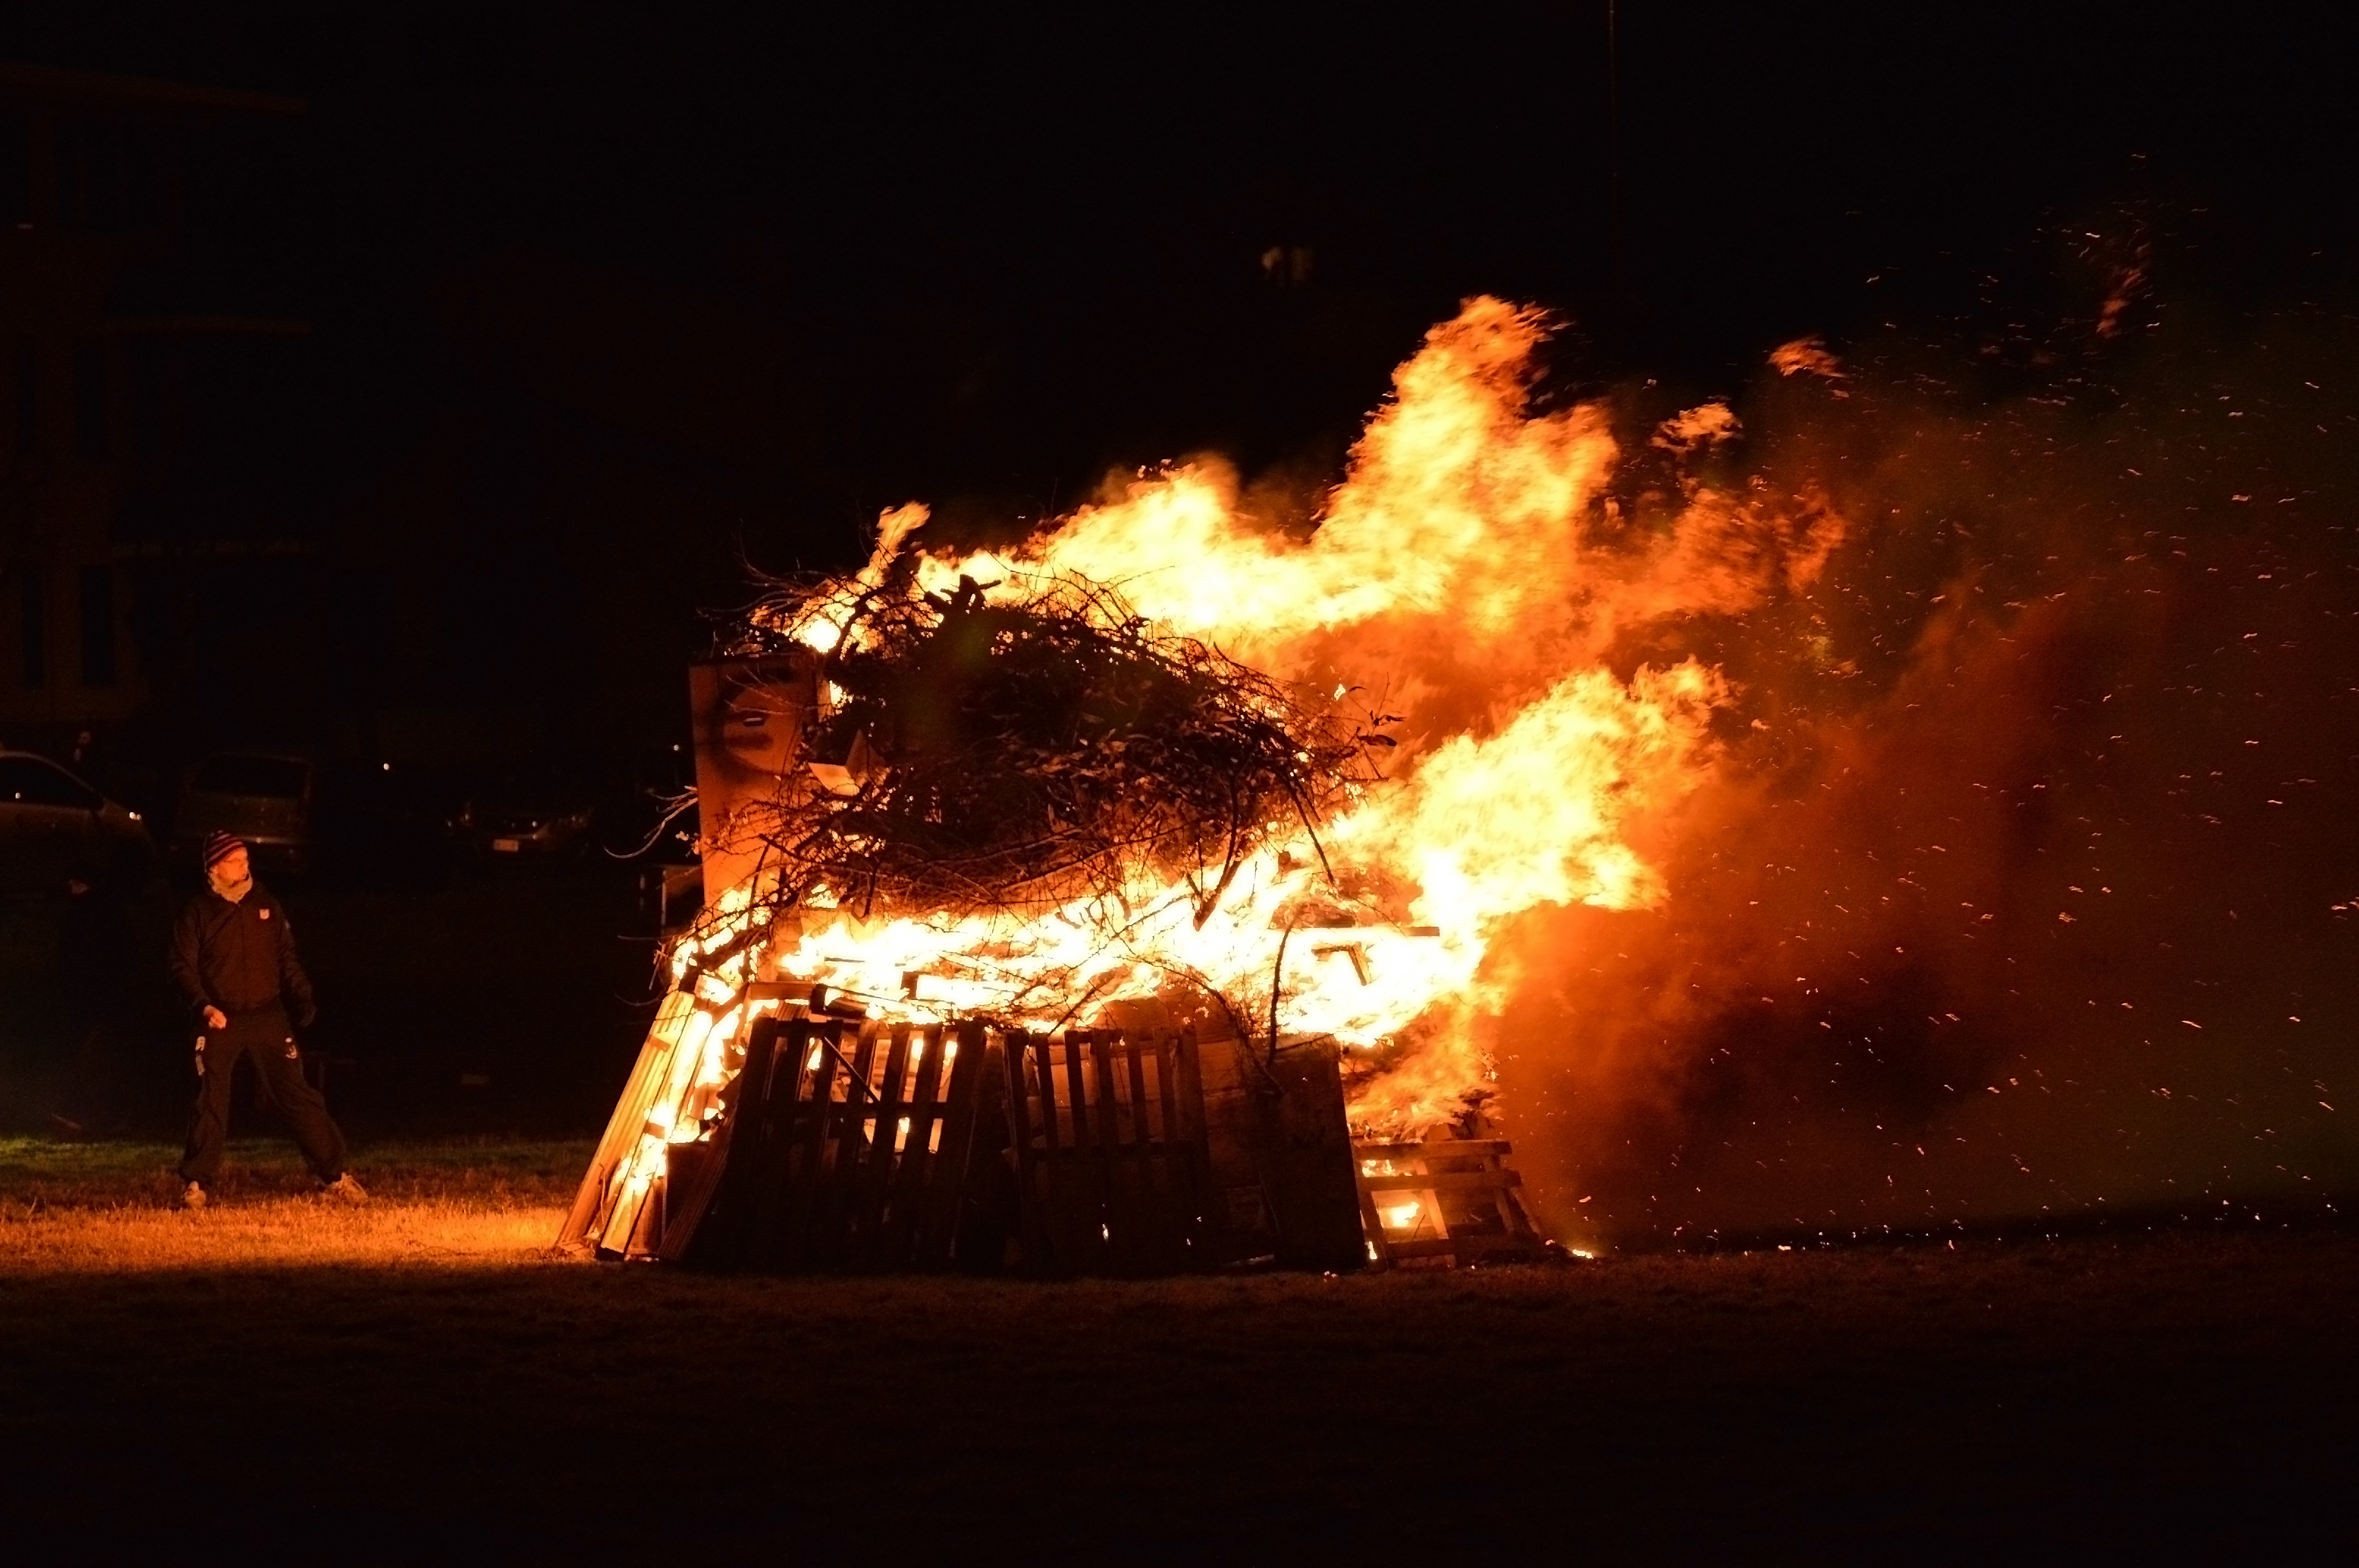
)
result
[(387, 822), (53, 826), (264, 797), (539, 812)]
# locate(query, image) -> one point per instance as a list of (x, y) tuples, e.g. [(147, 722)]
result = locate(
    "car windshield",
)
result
[(251, 776)]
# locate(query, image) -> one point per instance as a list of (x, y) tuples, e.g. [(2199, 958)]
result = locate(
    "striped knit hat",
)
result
[(219, 847)]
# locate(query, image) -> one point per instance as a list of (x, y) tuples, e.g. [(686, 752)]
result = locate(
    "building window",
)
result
[(29, 397), (90, 402), (98, 625), (36, 627)]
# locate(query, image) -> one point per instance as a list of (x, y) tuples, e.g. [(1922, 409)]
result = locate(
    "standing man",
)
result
[(233, 960)]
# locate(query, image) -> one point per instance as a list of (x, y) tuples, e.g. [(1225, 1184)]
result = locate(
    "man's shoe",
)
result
[(193, 1196), (347, 1189)]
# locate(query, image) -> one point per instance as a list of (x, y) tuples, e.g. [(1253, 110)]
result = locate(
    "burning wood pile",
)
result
[(1005, 759), (1104, 812)]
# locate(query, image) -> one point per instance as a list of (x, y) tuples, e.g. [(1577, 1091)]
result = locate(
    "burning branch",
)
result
[(1014, 747)]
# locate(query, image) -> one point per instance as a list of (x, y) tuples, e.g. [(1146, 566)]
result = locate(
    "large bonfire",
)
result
[(1290, 783)]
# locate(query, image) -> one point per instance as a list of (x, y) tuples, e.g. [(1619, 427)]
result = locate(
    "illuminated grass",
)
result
[(36, 1171), (283, 1233), (108, 1207)]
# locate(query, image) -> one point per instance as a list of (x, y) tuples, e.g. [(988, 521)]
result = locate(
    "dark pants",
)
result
[(268, 1039)]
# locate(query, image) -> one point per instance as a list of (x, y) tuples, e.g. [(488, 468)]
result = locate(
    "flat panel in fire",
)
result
[(1275, 1131), (748, 718)]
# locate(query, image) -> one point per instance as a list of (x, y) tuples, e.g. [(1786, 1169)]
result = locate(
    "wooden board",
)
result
[(1468, 1209), (847, 1148), (606, 1216), (1109, 1151)]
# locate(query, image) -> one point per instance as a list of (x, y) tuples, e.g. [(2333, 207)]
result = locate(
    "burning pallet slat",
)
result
[(744, 1148), (1462, 1205), (611, 1211)]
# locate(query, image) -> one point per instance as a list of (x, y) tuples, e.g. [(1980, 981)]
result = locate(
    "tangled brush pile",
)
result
[(1016, 746)]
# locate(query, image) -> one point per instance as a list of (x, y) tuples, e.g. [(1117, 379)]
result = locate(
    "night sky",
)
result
[(991, 258)]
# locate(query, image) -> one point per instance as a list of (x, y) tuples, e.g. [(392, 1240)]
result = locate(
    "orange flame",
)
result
[(1471, 567)]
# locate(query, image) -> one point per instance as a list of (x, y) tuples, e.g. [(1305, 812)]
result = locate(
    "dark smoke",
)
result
[(2027, 884)]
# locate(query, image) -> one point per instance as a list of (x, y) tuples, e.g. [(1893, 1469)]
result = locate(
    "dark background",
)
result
[(819, 266)]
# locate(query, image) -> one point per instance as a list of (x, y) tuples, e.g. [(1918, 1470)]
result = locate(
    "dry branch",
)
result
[(1015, 746)]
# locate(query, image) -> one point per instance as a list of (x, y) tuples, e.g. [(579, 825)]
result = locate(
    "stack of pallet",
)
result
[(847, 1145)]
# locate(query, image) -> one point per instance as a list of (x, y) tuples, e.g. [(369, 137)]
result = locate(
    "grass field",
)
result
[(420, 1378), (106, 1207)]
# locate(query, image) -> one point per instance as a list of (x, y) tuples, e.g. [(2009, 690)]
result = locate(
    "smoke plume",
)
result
[(2022, 882)]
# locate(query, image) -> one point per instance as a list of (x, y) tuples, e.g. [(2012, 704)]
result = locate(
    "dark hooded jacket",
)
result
[(239, 957)]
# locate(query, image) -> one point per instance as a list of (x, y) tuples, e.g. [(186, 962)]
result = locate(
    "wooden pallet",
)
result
[(842, 1144), (846, 1148), (1443, 1201), (1108, 1132), (612, 1217)]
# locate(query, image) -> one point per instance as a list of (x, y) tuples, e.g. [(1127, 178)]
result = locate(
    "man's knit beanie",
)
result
[(219, 847)]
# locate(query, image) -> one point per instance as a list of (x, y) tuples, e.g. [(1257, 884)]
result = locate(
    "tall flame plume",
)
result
[(1468, 573)]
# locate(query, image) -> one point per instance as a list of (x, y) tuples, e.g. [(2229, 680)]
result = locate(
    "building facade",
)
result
[(113, 285)]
